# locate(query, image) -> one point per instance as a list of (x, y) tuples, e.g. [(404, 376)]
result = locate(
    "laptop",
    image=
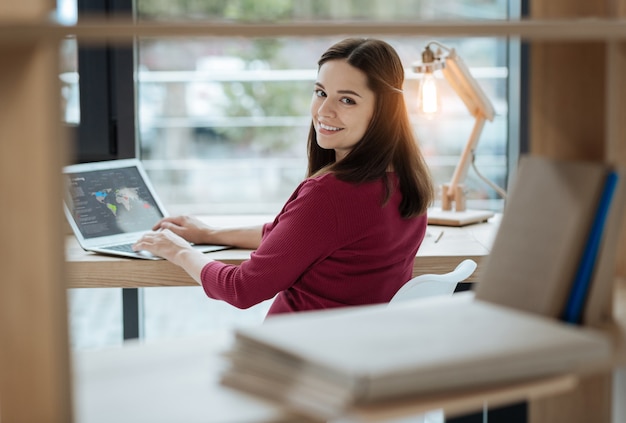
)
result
[(111, 204)]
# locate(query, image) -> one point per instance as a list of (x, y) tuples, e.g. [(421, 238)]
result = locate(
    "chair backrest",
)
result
[(429, 285)]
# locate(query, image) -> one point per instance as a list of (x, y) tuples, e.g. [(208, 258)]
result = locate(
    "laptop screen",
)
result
[(107, 202)]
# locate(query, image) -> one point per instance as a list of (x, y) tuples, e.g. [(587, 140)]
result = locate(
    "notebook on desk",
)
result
[(110, 205)]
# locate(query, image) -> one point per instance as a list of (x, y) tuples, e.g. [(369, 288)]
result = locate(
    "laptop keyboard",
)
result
[(126, 248)]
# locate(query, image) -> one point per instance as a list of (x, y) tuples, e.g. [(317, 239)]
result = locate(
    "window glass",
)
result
[(223, 122), (67, 14), (95, 317), (171, 312)]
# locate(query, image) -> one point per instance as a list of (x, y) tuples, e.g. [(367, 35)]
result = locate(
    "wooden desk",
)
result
[(438, 254)]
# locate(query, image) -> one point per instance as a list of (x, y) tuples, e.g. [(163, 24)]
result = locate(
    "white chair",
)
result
[(429, 285)]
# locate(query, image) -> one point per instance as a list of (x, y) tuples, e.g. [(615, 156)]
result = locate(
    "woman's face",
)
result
[(342, 106)]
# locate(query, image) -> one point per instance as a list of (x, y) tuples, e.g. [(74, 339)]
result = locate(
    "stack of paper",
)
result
[(323, 363)]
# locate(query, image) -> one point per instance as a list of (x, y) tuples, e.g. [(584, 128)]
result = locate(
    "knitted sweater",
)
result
[(333, 244)]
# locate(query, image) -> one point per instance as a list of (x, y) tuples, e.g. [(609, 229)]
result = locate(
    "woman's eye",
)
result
[(320, 93), (347, 100)]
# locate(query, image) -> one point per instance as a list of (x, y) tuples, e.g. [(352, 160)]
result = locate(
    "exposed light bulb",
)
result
[(428, 97)]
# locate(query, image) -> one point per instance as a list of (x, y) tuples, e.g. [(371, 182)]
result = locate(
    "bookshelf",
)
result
[(588, 125), (577, 109), (34, 356)]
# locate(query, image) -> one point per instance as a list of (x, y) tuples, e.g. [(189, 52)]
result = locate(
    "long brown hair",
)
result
[(389, 140)]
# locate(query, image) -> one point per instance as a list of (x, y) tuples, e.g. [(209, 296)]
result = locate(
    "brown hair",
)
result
[(389, 140)]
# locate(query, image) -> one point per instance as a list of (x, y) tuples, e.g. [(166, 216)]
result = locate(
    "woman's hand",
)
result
[(164, 243), (195, 231), (190, 228)]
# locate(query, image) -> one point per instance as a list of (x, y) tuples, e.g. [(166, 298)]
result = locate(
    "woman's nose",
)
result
[(326, 109)]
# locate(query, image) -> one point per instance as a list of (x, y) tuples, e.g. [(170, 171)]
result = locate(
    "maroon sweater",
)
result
[(332, 245)]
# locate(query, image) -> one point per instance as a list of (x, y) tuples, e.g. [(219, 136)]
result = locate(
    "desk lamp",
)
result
[(461, 80)]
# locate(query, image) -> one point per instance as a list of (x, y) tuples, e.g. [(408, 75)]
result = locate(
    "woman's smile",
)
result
[(328, 128)]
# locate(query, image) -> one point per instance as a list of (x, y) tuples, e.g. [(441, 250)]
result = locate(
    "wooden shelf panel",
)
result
[(123, 30)]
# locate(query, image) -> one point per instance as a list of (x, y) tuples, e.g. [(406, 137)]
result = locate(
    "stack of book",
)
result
[(538, 310)]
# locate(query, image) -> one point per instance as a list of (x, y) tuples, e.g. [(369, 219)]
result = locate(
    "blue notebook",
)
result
[(580, 286)]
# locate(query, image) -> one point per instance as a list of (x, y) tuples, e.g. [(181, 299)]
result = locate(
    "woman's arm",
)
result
[(195, 231), (172, 235), (248, 238)]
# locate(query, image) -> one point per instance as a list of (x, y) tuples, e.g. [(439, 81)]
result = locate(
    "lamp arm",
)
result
[(460, 172), (467, 88)]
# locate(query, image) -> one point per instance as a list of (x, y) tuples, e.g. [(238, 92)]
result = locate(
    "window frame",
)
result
[(107, 128)]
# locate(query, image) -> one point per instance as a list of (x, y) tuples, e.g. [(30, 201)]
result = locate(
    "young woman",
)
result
[(349, 233)]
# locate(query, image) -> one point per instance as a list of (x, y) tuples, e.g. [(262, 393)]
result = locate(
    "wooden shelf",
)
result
[(123, 30)]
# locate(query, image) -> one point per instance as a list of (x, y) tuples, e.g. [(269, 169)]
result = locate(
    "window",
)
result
[(223, 122)]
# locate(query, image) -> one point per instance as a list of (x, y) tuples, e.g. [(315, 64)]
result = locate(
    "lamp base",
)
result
[(437, 216)]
